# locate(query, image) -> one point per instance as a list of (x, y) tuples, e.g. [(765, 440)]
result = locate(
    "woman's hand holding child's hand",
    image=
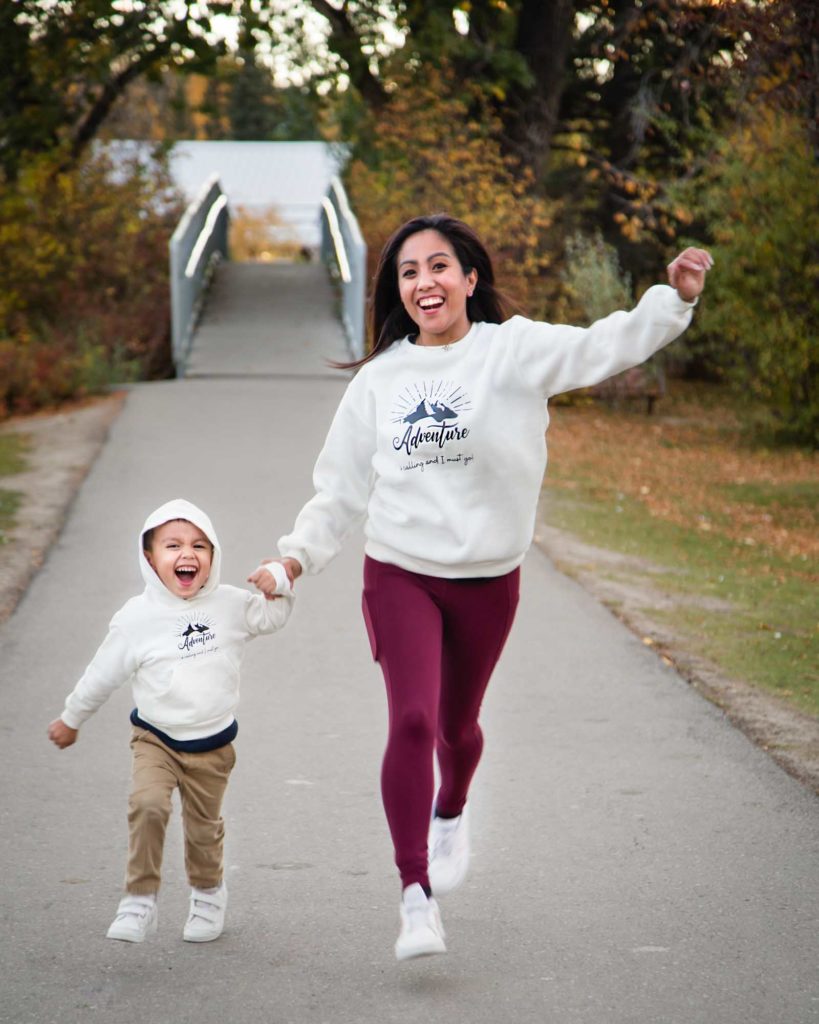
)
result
[(266, 579), (60, 734), (687, 272)]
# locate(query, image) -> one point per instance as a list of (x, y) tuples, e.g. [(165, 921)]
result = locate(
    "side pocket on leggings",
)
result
[(368, 622)]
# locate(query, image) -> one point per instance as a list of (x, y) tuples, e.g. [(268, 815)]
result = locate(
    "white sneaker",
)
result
[(206, 917), (137, 918), (421, 930), (448, 852)]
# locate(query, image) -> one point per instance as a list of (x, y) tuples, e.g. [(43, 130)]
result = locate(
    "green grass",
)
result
[(767, 634), (784, 502), (12, 460), (804, 494), (12, 453)]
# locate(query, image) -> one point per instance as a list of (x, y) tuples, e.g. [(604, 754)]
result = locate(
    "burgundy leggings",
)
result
[(437, 641)]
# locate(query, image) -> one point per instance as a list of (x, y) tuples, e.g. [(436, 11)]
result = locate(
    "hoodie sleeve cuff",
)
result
[(684, 302), (72, 721), (277, 571)]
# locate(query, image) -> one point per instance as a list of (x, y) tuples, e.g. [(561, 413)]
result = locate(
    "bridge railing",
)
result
[(344, 251), (198, 243)]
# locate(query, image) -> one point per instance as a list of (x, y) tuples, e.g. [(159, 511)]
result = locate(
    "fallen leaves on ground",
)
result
[(689, 465)]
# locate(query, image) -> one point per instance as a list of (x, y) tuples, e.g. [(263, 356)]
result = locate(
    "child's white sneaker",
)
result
[(206, 917), (448, 852), (137, 918), (421, 930)]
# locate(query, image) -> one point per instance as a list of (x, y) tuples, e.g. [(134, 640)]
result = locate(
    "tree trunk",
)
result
[(544, 34), (346, 42)]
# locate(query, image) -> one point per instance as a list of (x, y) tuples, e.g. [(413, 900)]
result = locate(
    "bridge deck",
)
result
[(268, 319)]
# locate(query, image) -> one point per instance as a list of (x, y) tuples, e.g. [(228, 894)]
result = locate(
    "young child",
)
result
[(181, 643)]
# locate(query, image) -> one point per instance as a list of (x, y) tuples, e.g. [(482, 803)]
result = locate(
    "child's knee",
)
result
[(149, 806)]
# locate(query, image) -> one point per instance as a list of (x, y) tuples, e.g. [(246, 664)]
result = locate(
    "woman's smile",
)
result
[(434, 288)]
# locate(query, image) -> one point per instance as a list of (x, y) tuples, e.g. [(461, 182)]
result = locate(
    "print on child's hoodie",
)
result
[(431, 424), (196, 637)]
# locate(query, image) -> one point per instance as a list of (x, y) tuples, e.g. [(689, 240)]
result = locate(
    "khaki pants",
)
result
[(202, 778)]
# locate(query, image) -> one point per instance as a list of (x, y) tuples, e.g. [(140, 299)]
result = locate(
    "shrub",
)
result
[(595, 286), (84, 268), (759, 318)]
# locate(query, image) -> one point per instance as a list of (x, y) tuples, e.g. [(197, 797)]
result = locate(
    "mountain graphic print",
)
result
[(431, 424)]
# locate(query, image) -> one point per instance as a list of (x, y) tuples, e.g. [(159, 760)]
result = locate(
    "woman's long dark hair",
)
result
[(388, 318)]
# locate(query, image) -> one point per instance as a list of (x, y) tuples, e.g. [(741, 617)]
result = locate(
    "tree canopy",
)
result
[(606, 118), (63, 65)]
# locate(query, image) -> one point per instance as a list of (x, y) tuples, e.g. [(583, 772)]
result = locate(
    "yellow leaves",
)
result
[(83, 265), (431, 156), (631, 228)]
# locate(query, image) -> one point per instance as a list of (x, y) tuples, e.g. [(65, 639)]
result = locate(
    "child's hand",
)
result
[(276, 580), (264, 580), (60, 734)]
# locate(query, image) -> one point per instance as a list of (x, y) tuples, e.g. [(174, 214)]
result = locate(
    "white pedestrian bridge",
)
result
[(296, 186), (289, 297)]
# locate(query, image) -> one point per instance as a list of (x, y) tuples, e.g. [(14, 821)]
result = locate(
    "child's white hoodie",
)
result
[(182, 655)]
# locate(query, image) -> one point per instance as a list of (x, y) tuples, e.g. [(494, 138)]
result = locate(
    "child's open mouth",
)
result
[(186, 574)]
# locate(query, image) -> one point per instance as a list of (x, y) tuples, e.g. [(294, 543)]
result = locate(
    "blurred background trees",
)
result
[(436, 145), (83, 246), (643, 124)]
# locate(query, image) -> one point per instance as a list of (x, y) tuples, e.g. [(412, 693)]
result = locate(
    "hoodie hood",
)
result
[(180, 509)]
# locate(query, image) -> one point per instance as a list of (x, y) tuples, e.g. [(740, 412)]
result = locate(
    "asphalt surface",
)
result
[(636, 859)]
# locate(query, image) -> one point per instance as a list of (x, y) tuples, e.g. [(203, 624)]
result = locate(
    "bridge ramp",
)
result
[(268, 319)]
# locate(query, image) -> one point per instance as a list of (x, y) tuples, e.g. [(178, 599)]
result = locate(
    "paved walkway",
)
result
[(637, 860)]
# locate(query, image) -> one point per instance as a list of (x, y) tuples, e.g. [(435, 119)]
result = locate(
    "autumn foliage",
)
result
[(435, 148), (84, 265), (759, 321)]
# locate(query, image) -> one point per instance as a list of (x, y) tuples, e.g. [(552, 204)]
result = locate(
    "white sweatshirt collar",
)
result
[(436, 351)]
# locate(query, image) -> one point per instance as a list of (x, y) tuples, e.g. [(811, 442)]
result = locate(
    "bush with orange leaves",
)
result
[(84, 297), (436, 148)]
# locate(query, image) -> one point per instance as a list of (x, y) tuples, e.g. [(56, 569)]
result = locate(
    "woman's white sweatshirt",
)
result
[(182, 655), (443, 447)]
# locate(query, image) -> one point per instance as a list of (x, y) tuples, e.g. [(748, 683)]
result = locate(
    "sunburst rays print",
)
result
[(437, 400)]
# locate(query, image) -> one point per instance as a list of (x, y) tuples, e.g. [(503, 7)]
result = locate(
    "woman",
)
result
[(439, 441)]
